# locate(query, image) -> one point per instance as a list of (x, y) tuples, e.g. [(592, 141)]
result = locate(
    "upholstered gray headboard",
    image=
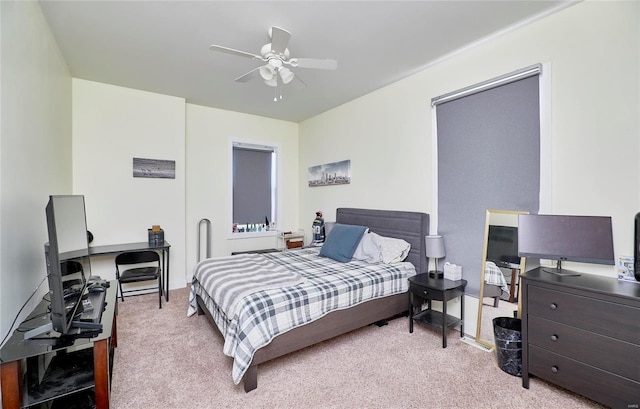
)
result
[(409, 226)]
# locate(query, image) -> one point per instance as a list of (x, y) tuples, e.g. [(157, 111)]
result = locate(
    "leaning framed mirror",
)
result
[(499, 275)]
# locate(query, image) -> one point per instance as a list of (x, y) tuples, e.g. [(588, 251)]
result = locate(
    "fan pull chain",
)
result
[(275, 93)]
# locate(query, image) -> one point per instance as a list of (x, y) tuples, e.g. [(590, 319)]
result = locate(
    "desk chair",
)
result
[(70, 267), (138, 266)]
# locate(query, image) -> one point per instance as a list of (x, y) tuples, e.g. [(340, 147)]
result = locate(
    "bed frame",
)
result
[(409, 226)]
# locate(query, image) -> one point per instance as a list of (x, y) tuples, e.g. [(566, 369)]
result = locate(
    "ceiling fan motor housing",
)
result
[(268, 53)]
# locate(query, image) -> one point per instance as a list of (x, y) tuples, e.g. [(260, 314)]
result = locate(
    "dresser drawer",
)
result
[(590, 314), (609, 389), (612, 355)]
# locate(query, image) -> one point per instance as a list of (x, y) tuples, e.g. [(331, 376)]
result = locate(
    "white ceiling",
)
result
[(162, 46)]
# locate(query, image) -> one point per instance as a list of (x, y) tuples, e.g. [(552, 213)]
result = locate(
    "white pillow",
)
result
[(367, 249), (392, 250)]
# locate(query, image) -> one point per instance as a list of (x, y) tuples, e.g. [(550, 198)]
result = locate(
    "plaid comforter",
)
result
[(328, 286), (229, 279), (493, 275)]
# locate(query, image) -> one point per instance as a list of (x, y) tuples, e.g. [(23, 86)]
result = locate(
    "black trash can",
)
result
[(508, 337)]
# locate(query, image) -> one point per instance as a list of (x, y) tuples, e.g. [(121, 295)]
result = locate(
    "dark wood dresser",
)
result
[(583, 334)]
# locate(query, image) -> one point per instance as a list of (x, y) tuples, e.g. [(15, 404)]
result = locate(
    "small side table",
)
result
[(424, 288)]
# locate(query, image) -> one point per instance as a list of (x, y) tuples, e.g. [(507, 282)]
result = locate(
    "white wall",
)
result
[(111, 126), (593, 49), (35, 150), (209, 132), (385, 135)]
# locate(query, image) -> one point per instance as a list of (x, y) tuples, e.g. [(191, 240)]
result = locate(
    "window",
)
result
[(253, 187)]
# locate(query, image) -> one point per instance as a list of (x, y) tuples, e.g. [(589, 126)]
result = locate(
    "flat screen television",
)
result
[(502, 246), (68, 264), (583, 239)]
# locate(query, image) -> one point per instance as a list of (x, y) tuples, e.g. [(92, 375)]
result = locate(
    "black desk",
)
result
[(121, 248)]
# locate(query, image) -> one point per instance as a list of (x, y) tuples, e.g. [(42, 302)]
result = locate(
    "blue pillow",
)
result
[(341, 243)]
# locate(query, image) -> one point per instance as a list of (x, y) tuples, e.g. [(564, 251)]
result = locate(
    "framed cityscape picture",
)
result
[(336, 173)]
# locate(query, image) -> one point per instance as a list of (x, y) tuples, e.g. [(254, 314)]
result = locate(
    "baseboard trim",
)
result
[(472, 342)]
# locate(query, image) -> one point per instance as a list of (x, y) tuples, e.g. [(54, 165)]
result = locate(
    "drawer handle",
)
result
[(554, 337), (553, 306), (554, 369)]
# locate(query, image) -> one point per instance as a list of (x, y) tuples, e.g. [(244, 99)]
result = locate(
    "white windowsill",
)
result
[(252, 235)]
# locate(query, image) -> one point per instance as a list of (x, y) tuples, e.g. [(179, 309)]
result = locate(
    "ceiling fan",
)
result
[(278, 60)]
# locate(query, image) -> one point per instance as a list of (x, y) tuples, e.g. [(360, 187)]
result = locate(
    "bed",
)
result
[(389, 299)]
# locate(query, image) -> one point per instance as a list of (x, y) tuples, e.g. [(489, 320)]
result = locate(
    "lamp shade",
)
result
[(434, 246), (267, 72), (286, 75)]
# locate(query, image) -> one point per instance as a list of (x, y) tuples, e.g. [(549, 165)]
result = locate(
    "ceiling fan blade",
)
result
[(279, 39), (297, 82), (228, 50), (249, 76), (318, 63)]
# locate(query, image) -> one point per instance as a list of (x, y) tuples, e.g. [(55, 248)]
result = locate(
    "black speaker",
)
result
[(636, 247)]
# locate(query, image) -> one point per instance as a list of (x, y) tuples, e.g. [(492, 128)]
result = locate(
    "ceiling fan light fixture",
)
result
[(267, 72), (272, 82), (286, 75)]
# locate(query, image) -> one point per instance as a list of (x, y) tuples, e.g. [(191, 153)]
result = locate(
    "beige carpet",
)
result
[(166, 360)]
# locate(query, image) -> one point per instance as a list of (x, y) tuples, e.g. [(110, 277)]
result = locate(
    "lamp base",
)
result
[(436, 274)]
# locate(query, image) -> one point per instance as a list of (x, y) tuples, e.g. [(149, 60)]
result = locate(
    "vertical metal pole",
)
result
[(207, 223)]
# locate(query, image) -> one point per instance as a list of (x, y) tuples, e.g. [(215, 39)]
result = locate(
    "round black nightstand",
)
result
[(424, 288)]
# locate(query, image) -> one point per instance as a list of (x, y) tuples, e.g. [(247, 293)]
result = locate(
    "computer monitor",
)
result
[(67, 261), (584, 239)]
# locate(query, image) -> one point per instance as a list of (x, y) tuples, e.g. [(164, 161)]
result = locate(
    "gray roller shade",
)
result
[(252, 185), (488, 158)]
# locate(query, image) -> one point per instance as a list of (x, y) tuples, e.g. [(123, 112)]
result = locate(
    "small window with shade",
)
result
[(254, 189)]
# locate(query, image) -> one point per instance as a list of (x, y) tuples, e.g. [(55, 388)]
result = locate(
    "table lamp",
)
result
[(435, 249)]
